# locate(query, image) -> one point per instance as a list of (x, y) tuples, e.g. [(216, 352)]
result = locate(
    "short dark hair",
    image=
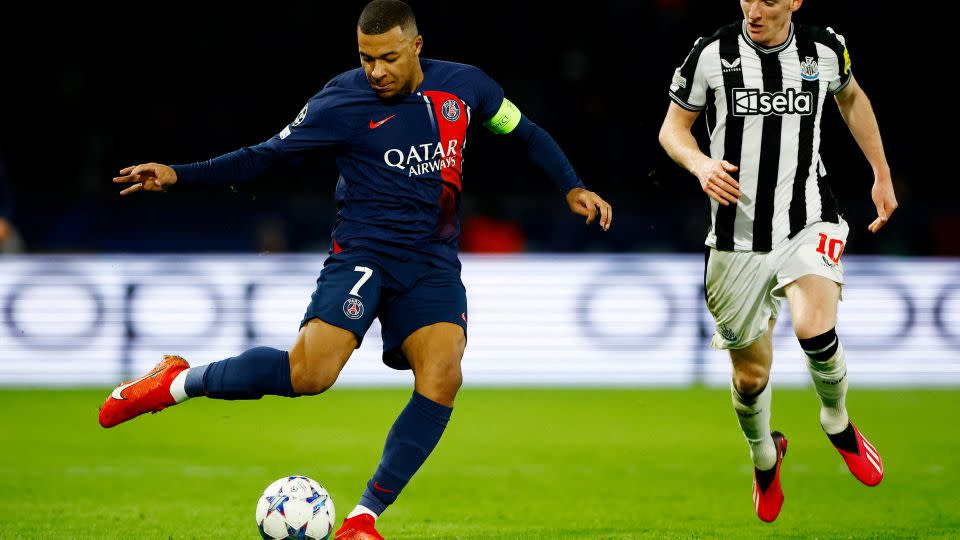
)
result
[(381, 15)]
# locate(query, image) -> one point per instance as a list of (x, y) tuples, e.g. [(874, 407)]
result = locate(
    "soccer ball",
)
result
[(295, 507)]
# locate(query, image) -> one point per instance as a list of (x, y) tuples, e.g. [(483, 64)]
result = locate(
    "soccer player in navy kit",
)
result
[(399, 126)]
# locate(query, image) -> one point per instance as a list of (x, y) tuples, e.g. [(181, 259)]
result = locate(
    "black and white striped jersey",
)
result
[(764, 107)]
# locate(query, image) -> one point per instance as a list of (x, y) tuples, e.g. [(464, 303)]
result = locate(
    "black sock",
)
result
[(846, 440)]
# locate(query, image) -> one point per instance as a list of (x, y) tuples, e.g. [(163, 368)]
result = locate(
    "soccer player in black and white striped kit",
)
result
[(775, 228)]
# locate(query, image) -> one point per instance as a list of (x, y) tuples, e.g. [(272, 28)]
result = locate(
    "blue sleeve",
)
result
[(240, 165), (542, 150), (316, 126), (545, 153), (488, 95)]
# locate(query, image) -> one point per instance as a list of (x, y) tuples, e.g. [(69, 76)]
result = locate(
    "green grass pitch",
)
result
[(546, 463)]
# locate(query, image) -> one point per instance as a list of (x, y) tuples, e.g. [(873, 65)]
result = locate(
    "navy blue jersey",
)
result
[(400, 160)]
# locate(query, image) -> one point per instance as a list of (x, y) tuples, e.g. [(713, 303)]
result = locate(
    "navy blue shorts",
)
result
[(357, 285)]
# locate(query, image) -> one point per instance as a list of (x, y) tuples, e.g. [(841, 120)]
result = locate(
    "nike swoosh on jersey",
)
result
[(118, 391), (375, 125)]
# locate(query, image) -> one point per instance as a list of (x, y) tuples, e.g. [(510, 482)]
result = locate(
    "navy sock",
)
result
[(253, 374), (411, 439)]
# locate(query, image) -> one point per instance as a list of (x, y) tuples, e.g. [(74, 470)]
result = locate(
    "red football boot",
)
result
[(861, 457), (150, 393), (358, 528), (767, 493)]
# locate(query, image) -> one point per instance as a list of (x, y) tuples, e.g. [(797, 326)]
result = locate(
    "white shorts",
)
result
[(744, 289)]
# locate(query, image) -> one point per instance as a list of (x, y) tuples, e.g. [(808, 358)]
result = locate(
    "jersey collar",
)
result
[(761, 48)]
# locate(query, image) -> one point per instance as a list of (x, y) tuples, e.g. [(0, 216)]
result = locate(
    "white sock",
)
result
[(830, 380), (754, 418), (176, 387), (360, 509)]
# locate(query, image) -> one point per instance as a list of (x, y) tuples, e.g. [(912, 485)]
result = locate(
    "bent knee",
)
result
[(311, 376), (440, 385), (814, 322), (813, 327), (447, 380), (750, 383), (308, 383)]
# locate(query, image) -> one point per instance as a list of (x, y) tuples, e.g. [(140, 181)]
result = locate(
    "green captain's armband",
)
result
[(506, 119)]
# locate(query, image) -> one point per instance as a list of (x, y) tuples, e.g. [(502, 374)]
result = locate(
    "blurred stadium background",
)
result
[(186, 83), (94, 287)]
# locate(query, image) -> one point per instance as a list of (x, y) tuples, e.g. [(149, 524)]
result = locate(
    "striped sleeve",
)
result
[(688, 88), (839, 46)]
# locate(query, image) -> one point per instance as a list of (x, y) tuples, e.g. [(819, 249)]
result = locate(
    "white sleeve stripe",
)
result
[(843, 85), (686, 105)]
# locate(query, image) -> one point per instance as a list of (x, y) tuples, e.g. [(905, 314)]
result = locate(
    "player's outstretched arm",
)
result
[(236, 167), (714, 175), (146, 177), (314, 127), (858, 114)]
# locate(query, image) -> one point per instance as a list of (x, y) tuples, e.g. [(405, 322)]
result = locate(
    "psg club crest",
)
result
[(451, 110), (353, 308), (301, 116), (809, 69)]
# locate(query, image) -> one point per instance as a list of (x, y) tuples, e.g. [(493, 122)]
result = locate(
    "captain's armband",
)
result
[(505, 120)]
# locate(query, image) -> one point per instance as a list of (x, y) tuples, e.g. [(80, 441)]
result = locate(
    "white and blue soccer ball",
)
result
[(296, 507)]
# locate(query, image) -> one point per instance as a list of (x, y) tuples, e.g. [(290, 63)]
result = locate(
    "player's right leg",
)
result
[(751, 393), (310, 367), (738, 296), (332, 327)]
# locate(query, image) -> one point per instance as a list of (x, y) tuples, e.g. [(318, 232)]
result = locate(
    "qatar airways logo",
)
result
[(423, 158)]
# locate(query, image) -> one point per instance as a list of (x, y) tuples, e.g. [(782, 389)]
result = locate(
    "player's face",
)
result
[(768, 21), (391, 61)]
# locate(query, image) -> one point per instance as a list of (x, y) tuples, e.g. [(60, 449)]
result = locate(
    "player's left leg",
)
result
[(813, 307), (434, 353), (424, 329)]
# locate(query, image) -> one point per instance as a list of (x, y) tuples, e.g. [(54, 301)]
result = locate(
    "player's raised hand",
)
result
[(716, 182), (146, 177), (589, 204), (885, 200)]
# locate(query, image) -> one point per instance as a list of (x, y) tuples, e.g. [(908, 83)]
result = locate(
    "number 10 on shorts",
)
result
[(831, 247)]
